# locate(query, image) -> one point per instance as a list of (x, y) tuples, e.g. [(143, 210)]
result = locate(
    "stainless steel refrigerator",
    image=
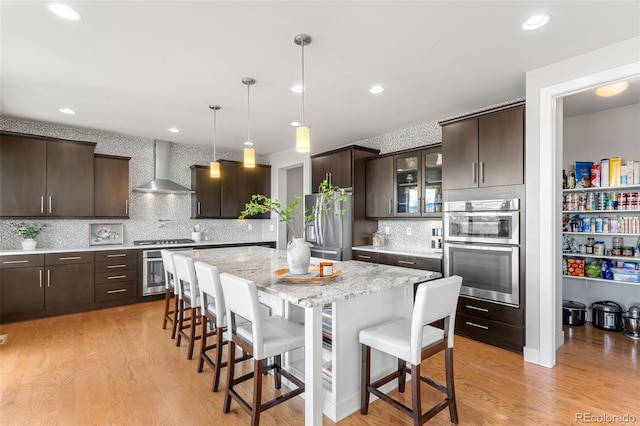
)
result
[(329, 235)]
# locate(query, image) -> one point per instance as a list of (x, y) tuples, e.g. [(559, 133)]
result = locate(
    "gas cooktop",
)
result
[(162, 242)]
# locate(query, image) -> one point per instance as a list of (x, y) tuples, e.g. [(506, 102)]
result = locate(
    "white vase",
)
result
[(28, 244), (298, 256)]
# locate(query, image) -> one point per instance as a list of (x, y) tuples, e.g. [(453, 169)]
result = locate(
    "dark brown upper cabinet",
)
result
[(111, 197), (379, 187), (337, 167), (42, 177), (483, 150), (225, 197)]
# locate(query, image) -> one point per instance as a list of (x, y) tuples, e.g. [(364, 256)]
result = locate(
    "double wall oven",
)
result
[(482, 245)]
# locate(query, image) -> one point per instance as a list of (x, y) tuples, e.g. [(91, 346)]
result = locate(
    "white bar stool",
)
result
[(414, 340), (187, 285), (170, 292), (262, 338)]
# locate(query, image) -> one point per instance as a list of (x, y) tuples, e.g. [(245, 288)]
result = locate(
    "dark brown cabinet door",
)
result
[(233, 185), (205, 203), (340, 168), (69, 285), (111, 186), (23, 179), (379, 187), (319, 171), (407, 177), (460, 154), (501, 148), (258, 182), (70, 179), (21, 290)]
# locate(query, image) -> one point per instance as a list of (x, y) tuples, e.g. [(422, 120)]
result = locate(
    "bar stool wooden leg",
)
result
[(203, 345), (180, 322), (167, 312), (366, 379), (415, 394), (192, 332), (402, 378), (176, 308), (451, 393), (218, 368), (231, 363), (257, 392)]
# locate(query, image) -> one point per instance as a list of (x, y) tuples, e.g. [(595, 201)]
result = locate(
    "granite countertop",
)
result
[(357, 278), (402, 251), (44, 250)]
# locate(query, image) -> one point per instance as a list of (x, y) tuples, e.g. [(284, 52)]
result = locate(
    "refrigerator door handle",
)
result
[(319, 230)]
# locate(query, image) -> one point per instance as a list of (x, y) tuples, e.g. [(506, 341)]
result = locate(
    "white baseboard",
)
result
[(559, 339), (532, 355)]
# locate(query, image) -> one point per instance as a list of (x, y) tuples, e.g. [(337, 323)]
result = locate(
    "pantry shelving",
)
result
[(599, 279), (624, 188)]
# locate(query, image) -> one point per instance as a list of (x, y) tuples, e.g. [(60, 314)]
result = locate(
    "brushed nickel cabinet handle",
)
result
[(116, 266), (389, 206), (362, 256), (7, 262), (40, 271), (116, 277), (117, 255), (120, 290), (126, 206), (42, 204), (476, 308), (406, 262), (48, 277), (473, 172), (199, 207), (473, 324), (70, 258), (482, 171), (49, 204)]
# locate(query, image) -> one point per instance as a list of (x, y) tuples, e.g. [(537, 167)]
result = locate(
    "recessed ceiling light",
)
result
[(174, 130), (64, 11), (297, 88), (296, 123), (536, 21), (612, 89), (376, 89), (67, 111)]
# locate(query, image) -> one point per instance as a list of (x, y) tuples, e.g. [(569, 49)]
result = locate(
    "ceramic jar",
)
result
[(298, 256), (28, 244)]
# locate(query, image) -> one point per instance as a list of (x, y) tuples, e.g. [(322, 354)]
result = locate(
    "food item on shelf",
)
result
[(614, 171), (583, 174), (571, 180), (604, 172), (606, 269), (575, 267), (595, 175), (598, 247), (593, 269)]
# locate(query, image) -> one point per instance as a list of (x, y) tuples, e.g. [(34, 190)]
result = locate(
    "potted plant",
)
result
[(298, 252), (29, 231)]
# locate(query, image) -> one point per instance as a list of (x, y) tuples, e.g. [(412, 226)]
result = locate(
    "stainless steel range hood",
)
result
[(162, 184)]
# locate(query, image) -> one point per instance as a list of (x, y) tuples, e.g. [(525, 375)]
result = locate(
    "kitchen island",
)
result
[(363, 295)]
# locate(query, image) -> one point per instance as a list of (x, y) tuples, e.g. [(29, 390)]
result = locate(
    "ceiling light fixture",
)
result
[(249, 152), (536, 21), (376, 89), (67, 111), (295, 123), (63, 11), (612, 89), (297, 88), (303, 133), (214, 166), (174, 130)]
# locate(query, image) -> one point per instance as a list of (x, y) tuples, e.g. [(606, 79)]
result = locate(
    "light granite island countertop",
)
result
[(364, 294)]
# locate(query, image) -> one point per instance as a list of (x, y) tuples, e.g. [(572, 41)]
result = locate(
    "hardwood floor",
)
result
[(117, 366)]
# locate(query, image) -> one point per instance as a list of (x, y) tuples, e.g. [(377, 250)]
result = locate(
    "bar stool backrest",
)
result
[(186, 276), (169, 269), (211, 288)]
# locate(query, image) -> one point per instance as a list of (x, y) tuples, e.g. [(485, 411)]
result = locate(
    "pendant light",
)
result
[(249, 152), (303, 133), (214, 166)]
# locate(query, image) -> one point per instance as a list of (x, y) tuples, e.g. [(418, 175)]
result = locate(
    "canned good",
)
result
[(616, 251), (586, 224), (591, 201), (602, 199), (582, 202), (616, 242), (598, 224), (605, 224), (627, 251), (611, 204)]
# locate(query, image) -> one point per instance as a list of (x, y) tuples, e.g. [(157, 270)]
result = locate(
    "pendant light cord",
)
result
[(304, 89), (248, 115), (214, 135)]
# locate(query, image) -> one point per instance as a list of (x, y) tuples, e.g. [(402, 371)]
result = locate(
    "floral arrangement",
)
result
[(262, 204), (29, 230)]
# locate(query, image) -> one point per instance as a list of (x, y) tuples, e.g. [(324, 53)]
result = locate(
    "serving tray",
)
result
[(312, 278)]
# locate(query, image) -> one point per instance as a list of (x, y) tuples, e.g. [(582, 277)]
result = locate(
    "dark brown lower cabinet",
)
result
[(21, 290), (116, 275), (491, 323), (68, 285)]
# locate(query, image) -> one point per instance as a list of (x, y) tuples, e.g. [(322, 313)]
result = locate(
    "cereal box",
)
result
[(595, 175), (583, 174), (575, 267), (614, 171)]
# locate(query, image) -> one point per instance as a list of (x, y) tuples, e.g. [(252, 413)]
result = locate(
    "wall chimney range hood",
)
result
[(162, 184)]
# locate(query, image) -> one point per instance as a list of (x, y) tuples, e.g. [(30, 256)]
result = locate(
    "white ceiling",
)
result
[(140, 67)]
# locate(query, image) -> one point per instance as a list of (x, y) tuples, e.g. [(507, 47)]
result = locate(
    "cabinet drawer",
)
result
[(67, 258), (117, 265), (491, 311), (112, 255), (21, 261), (414, 262), (115, 291), (115, 277), (365, 256), (492, 332)]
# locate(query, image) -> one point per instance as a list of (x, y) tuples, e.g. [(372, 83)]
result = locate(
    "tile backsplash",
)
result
[(420, 233), (146, 210)]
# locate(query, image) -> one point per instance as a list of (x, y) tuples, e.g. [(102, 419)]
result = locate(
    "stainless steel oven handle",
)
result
[(484, 247)]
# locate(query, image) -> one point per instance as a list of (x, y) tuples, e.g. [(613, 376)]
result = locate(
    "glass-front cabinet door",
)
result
[(407, 184), (432, 181)]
